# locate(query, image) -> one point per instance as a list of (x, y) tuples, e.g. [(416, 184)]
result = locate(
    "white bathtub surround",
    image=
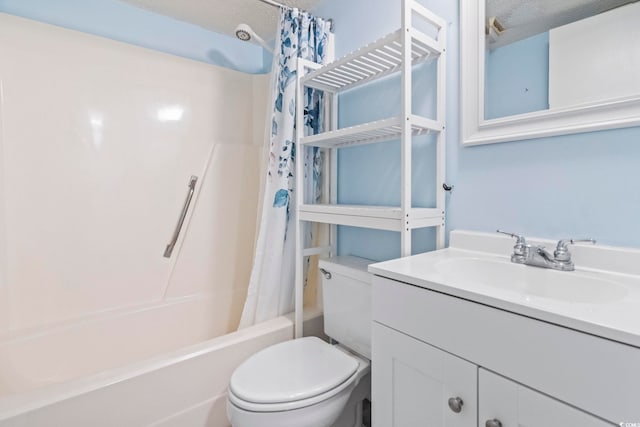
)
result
[(270, 292), (4, 306), (98, 142), (95, 174), (72, 350), (111, 175)]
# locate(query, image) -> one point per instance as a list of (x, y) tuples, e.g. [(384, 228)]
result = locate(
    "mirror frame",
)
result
[(476, 130)]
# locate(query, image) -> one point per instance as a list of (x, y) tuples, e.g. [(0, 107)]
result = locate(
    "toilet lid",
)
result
[(292, 370)]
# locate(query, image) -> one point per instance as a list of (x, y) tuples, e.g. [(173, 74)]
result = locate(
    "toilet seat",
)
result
[(288, 406), (292, 375)]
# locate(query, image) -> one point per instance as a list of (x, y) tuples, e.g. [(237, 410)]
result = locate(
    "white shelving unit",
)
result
[(397, 52)]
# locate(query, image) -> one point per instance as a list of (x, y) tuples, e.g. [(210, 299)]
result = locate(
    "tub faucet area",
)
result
[(538, 256)]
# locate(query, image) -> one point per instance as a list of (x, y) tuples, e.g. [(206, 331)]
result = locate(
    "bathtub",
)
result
[(149, 366), (97, 328)]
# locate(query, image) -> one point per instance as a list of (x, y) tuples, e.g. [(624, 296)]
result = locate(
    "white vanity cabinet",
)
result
[(415, 384), (509, 370)]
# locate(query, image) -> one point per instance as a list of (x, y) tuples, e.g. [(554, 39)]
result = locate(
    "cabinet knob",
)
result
[(493, 423), (455, 404)]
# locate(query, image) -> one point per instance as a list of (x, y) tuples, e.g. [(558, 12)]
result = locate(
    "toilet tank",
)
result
[(346, 287)]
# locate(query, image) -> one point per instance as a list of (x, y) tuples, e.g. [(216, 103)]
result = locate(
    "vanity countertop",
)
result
[(601, 297)]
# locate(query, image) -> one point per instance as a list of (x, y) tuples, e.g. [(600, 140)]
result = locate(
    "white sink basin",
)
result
[(602, 297), (531, 281)]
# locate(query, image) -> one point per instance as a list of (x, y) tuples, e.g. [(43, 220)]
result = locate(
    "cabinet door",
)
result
[(413, 382), (510, 404)]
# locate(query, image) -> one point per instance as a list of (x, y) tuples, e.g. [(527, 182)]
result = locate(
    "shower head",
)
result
[(245, 33)]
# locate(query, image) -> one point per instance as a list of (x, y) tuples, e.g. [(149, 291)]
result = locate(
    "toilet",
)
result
[(308, 382)]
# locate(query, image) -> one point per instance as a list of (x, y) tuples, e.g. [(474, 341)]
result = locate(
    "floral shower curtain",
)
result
[(271, 287)]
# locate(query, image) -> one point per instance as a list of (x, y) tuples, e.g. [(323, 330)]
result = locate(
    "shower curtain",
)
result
[(271, 287)]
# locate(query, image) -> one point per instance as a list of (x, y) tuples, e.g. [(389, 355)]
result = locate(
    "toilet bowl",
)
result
[(308, 382), (302, 383)]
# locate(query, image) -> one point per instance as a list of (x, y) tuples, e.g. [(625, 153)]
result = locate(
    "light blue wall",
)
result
[(517, 77), (120, 21), (584, 185)]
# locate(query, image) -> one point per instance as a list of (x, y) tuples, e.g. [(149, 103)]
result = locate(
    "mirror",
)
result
[(534, 68)]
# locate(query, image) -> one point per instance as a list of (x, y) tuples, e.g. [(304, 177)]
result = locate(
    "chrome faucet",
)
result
[(538, 256)]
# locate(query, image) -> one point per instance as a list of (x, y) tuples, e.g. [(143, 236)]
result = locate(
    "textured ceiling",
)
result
[(524, 18), (223, 16)]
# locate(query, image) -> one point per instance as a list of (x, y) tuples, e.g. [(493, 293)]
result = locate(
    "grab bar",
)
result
[(192, 186)]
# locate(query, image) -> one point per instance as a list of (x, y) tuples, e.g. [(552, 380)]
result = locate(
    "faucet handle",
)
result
[(520, 239), (520, 249), (562, 250)]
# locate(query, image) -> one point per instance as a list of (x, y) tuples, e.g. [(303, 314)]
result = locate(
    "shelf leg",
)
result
[(405, 143)]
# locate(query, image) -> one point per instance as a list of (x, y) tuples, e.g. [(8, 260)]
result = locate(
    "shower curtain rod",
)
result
[(284, 6), (276, 4)]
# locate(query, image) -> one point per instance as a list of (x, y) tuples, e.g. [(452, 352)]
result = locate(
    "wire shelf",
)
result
[(375, 60), (373, 132)]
